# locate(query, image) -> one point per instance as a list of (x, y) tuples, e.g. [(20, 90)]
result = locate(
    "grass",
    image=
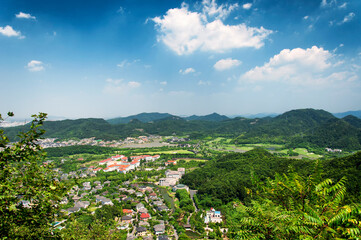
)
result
[(245, 148), (302, 152), (266, 145), (193, 235), (167, 152), (193, 159)]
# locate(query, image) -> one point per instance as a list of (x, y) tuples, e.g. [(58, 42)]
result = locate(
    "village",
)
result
[(54, 142), (146, 209)]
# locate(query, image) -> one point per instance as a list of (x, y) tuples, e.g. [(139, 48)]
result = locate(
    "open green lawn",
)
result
[(303, 152), (245, 148), (193, 159), (167, 152), (266, 145)]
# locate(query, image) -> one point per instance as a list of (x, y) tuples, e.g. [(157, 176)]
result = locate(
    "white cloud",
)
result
[(119, 86), (184, 32), (247, 6), (227, 63), (120, 10), (187, 71), (134, 84), (163, 83), (8, 31), (35, 66), (24, 15), (204, 83), (305, 17), (211, 8), (126, 63), (311, 66), (114, 81), (325, 3), (348, 17), (344, 5)]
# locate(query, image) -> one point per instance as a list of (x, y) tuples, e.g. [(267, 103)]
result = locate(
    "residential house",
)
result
[(144, 216), (141, 231), (162, 237), (159, 229), (128, 211), (73, 210), (153, 196), (213, 216), (162, 208), (143, 210), (139, 206), (168, 182), (127, 219), (103, 200), (188, 227), (170, 162), (82, 204), (158, 203), (182, 171), (143, 224)]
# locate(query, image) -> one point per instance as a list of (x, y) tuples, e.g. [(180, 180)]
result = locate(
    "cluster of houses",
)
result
[(121, 164), (51, 142), (141, 214), (333, 150), (92, 194), (171, 177)]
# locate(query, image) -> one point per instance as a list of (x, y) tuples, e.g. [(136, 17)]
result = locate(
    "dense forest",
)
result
[(227, 178), (296, 128)]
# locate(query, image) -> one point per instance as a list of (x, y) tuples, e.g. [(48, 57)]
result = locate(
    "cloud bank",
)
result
[(185, 31)]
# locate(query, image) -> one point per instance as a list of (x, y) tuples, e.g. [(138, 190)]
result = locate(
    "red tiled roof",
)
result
[(144, 215), (106, 160), (127, 211)]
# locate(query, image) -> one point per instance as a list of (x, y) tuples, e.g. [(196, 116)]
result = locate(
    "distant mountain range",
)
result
[(143, 117), (214, 117), (296, 128), (150, 117), (344, 114)]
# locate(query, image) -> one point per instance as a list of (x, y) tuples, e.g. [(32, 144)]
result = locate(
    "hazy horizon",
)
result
[(110, 59)]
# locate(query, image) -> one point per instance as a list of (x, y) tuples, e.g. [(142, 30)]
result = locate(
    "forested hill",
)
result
[(143, 117), (211, 117), (223, 180), (303, 127)]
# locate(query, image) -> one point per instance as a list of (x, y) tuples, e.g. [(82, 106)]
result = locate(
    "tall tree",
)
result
[(29, 190)]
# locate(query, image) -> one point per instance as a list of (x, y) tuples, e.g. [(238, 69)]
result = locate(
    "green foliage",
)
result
[(106, 213), (71, 150), (76, 230), (223, 180), (295, 207), (350, 167), (29, 190), (298, 128), (185, 201)]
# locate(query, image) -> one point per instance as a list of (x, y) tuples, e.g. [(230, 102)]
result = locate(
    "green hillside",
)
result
[(143, 117), (225, 179), (214, 117), (296, 128)]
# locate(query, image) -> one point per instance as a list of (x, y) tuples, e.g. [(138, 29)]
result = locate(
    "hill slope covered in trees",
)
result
[(303, 127)]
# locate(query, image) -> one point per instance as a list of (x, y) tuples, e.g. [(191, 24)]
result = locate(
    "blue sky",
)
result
[(116, 58)]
